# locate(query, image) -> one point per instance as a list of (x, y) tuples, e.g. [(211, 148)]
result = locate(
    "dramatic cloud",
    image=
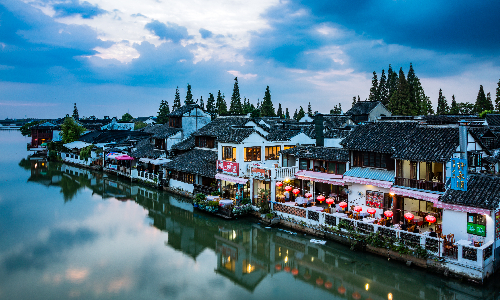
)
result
[(205, 34), (170, 31), (75, 7)]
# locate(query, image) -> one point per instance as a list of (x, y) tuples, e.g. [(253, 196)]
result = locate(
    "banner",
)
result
[(459, 174), (228, 167)]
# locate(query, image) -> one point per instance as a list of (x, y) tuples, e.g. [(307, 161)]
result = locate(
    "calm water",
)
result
[(70, 233)]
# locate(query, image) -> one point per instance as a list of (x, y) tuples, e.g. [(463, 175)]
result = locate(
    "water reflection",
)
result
[(259, 261)]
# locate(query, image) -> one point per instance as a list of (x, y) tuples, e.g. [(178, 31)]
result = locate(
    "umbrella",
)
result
[(124, 157)]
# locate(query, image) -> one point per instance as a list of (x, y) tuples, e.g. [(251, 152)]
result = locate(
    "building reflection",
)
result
[(247, 253)]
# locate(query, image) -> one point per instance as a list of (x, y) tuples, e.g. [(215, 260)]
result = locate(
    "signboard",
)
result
[(476, 229), (261, 173), (459, 174), (113, 167), (228, 167)]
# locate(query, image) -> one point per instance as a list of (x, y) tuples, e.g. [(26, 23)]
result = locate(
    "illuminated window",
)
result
[(252, 154)]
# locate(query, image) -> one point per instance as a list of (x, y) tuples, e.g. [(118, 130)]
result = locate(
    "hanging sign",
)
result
[(228, 167), (459, 174)]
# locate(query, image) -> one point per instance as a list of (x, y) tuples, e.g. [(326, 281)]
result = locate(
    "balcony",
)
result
[(276, 173), (420, 184)]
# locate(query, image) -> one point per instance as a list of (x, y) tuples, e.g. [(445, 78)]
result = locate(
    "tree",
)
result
[(374, 89), (337, 110), (497, 98), (202, 104), (300, 114), (221, 105), (295, 115), (235, 106), (279, 112), (413, 84), (163, 112), (392, 83), (424, 104), (189, 96), (70, 130), (482, 103), (138, 125), (211, 104), (398, 104), (490, 103), (126, 117), (177, 100), (287, 114), (309, 110), (382, 89), (267, 109), (247, 107), (454, 106), (26, 128), (466, 108), (353, 101), (75, 113), (442, 107)]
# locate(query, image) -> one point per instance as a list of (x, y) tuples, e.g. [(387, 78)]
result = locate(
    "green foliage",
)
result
[(85, 151), (420, 252), (199, 197), (177, 100), (497, 98), (71, 130), (75, 113), (245, 201), (482, 102), (374, 96), (189, 96), (215, 193), (263, 201), (267, 109), (26, 128), (221, 105), (466, 108), (382, 91), (442, 107), (235, 106), (211, 104), (127, 117), (138, 125), (309, 110), (163, 112), (202, 104), (300, 114), (398, 103), (484, 113), (255, 113), (287, 114), (454, 110), (337, 110), (279, 112)]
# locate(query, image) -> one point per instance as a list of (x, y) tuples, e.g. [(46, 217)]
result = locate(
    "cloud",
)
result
[(244, 76), (205, 34), (75, 7), (170, 31)]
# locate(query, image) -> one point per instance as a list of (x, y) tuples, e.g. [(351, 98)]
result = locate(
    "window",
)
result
[(175, 122), (252, 154), (474, 159), (229, 153), (340, 169), (204, 142), (288, 147), (332, 167), (372, 159), (303, 164), (272, 152)]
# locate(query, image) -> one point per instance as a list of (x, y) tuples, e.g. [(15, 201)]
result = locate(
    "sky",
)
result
[(116, 56)]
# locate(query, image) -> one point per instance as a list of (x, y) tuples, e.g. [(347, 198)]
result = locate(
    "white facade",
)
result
[(194, 120)]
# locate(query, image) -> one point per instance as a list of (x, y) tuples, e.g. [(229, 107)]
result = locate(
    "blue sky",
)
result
[(117, 56)]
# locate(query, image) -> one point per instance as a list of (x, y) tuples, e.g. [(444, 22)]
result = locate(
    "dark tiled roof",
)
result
[(145, 149), (186, 144), (282, 135), (183, 110), (164, 132), (112, 136), (485, 137), (336, 133), (362, 108), (322, 153), (220, 126), (335, 121), (381, 137), (493, 120), (448, 119), (432, 144), (236, 134), (200, 162), (483, 191)]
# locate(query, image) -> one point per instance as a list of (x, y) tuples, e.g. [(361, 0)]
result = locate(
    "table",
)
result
[(302, 200), (316, 208), (418, 220), (212, 198), (341, 215), (225, 202), (464, 243)]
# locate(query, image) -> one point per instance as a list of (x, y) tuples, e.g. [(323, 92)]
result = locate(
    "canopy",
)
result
[(114, 155), (124, 157)]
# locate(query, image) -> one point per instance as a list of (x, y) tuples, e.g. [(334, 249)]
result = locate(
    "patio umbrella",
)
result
[(124, 157)]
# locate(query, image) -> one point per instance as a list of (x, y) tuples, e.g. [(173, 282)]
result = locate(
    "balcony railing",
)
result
[(272, 173), (420, 184)]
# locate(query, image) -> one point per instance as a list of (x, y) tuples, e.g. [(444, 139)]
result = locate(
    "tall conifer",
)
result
[(497, 98), (442, 107), (221, 104), (374, 89), (382, 92), (177, 100), (189, 96), (235, 106), (267, 109)]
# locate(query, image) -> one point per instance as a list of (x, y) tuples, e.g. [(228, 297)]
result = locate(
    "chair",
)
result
[(439, 229)]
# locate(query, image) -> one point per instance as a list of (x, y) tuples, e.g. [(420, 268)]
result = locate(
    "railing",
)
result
[(148, 176), (280, 173), (420, 184)]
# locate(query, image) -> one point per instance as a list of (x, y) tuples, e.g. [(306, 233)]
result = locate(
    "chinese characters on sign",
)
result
[(257, 172), (459, 174), (228, 167)]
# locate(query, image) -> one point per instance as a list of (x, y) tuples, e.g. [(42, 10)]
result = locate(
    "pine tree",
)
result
[(374, 89), (295, 115), (392, 83), (279, 112), (359, 99), (413, 104), (309, 110), (75, 113), (221, 104), (235, 106), (353, 101), (488, 100), (301, 114), (466, 108), (382, 89), (267, 109), (189, 96), (211, 104), (163, 112), (247, 108), (442, 107), (497, 98), (287, 114), (398, 104), (424, 105), (482, 103), (177, 100), (202, 104), (454, 106)]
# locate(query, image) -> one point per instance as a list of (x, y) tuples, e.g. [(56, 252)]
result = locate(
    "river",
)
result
[(69, 233)]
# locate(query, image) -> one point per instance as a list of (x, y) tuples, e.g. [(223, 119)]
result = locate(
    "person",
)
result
[(416, 229), (432, 233), (287, 196)]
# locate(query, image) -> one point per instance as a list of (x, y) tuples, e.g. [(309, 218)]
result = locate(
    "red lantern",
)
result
[(308, 195), (295, 272), (409, 216), (388, 213), (343, 204), (287, 269), (430, 219), (296, 191), (321, 198), (341, 289), (278, 267), (307, 276), (356, 295), (288, 188), (329, 201), (328, 285), (358, 209), (371, 210), (279, 183), (319, 281)]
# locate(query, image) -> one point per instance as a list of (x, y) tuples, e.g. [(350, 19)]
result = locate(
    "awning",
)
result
[(113, 155), (432, 197), (159, 161), (230, 178), (145, 160), (379, 183), (124, 157), (320, 177), (463, 208)]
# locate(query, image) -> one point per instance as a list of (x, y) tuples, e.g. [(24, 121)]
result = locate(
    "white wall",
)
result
[(455, 222), (355, 199), (181, 185), (333, 143), (194, 120)]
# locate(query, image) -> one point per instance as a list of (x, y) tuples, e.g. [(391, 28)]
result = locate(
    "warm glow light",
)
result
[(389, 296), (367, 286), (286, 259), (287, 179), (392, 194), (229, 259), (250, 268), (312, 258)]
